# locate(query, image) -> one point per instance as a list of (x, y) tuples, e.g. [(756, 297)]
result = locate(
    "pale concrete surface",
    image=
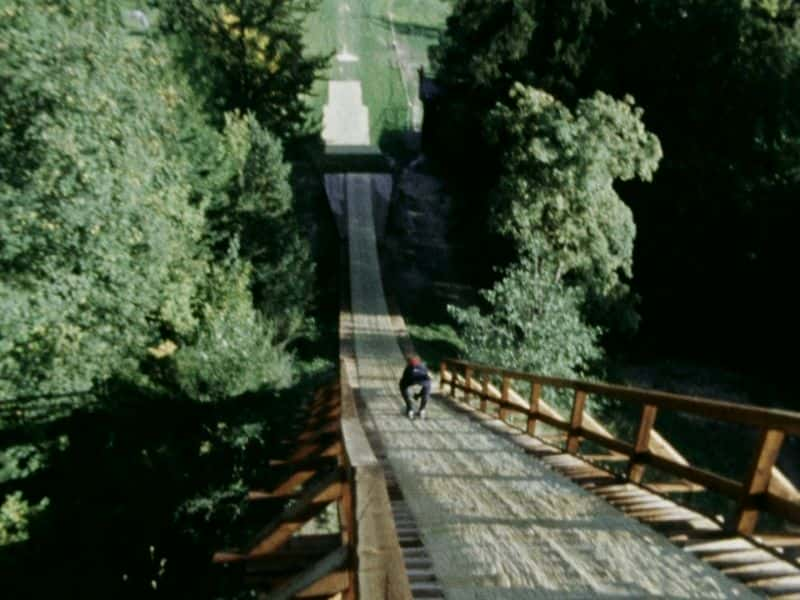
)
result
[(497, 523), (345, 119)]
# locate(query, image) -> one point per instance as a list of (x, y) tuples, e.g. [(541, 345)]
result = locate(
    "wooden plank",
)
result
[(742, 557), (285, 487), (779, 540), (768, 570), (313, 501), (308, 436), (777, 585), (601, 458), (674, 487), (298, 553), (757, 481), (315, 450), (642, 444), (484, 391), (536, 395)]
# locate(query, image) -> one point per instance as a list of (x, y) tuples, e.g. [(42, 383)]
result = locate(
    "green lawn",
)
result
[(390, 39)]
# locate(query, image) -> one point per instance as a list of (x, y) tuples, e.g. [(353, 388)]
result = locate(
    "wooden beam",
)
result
[(640, 447), (312, 502), (609, 442), (712, 481), (573, 436), (533, 409), (316, 449), (308, 436), (299, 552), (484, 391), (467, 383), (303, 584), (504, 399), (756, 483)]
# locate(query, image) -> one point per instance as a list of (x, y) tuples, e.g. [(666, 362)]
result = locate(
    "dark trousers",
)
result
[(426, 392)]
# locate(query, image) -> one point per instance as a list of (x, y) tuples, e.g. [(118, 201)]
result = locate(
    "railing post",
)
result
[(453, 383), (467, 384), (504, 398), (484, 390), (533, 411), (641, 446), (575, 422), (442, 371), (757, 481)]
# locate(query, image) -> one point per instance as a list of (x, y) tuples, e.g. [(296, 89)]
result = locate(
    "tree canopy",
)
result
[(134, 232), (556, 186), (249, 55), (718, 81)]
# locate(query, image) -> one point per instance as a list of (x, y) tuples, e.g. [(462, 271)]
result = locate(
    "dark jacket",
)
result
[(414, 374)]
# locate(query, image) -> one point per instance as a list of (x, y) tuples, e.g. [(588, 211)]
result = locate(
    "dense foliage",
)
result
[(718, 81), (556, 188), (131, 229), (533, 323), (249, 54), (152, 265)]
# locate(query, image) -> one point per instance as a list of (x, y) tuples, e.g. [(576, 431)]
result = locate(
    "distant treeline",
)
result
[(718, 82)]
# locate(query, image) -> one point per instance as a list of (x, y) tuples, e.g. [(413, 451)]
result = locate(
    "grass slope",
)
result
[(390, 39)]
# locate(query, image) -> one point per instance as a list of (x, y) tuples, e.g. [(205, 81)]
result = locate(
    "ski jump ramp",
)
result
[(496, 523)]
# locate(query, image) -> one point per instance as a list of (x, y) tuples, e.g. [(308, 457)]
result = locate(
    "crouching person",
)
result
[(415, 373)]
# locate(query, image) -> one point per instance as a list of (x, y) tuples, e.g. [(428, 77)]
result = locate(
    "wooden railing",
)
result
[(763, 488)]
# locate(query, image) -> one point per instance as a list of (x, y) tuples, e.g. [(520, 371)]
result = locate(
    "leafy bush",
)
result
[(533, 323), (236, 348), (15, 516), (556, 188)]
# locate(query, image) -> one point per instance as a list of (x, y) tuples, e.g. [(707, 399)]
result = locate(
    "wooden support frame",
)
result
[(533, 409), (467, 384), (506, 385), (575, 422), (757, 481), (636, 464), (764, 488), (317, 473)]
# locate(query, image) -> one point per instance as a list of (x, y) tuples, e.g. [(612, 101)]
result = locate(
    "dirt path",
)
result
[(497, 523)]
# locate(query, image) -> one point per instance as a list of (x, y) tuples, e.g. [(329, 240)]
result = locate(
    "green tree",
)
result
[(490, 45), (556, 188), (719, 80), (99, 246), (257, 211), (105, 258), (532, 322), (249, 55)]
